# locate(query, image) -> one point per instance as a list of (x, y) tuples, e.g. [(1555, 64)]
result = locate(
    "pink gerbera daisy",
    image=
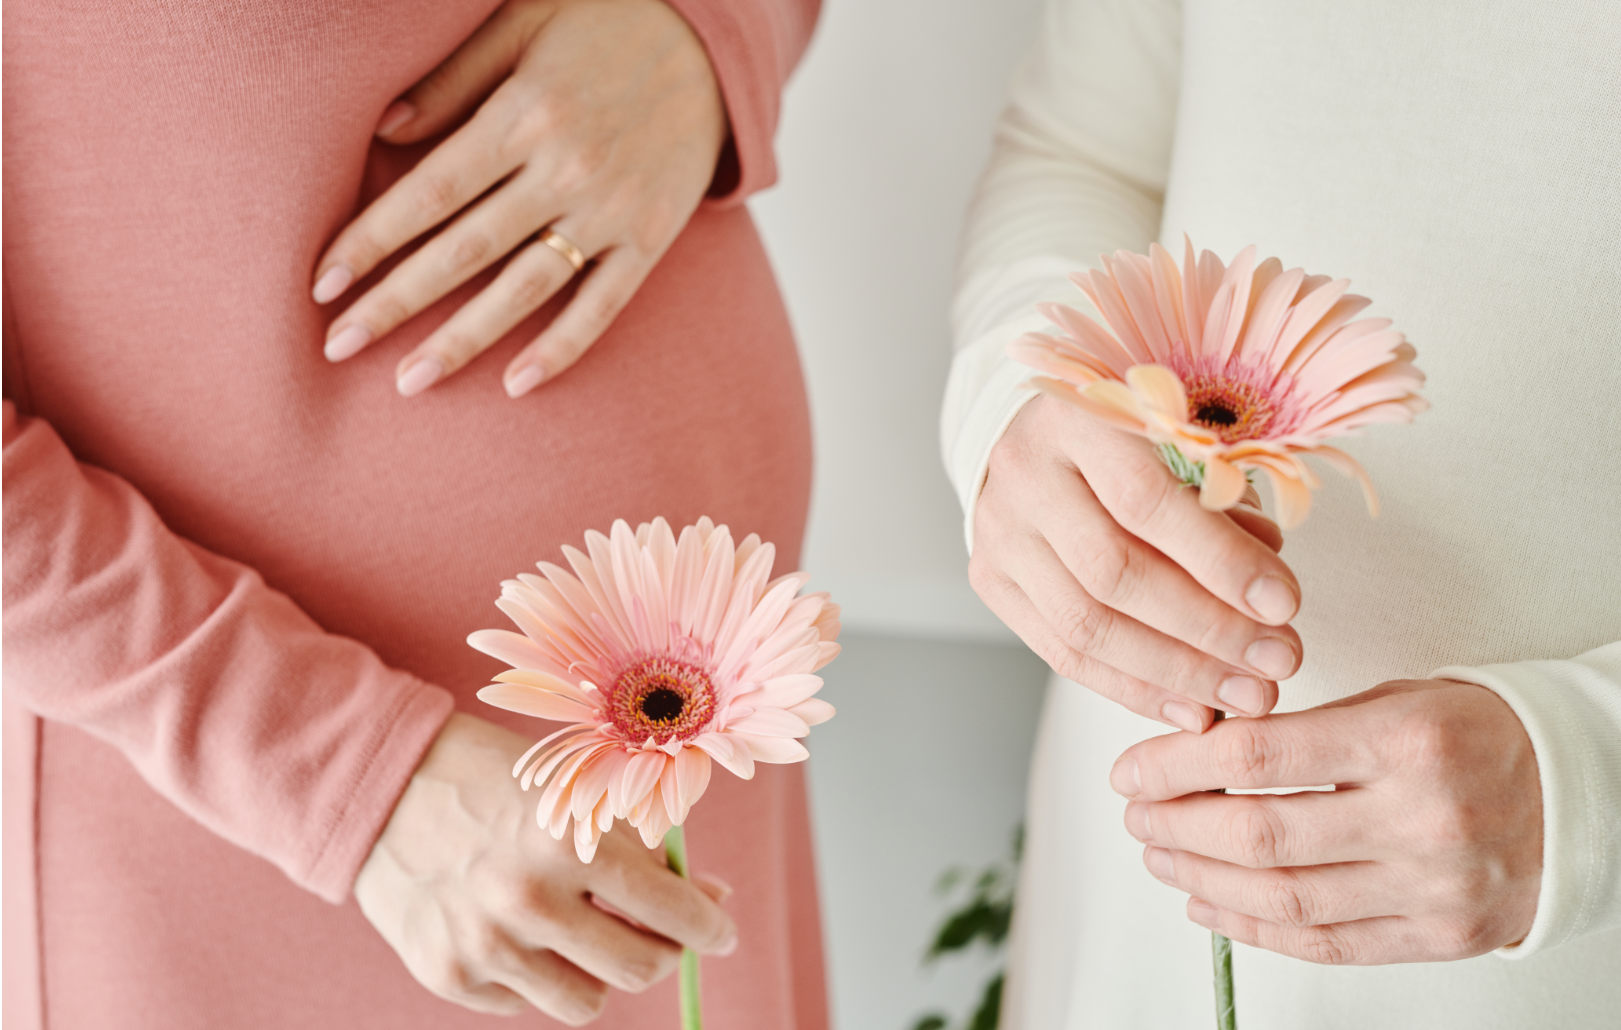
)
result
[(660, 655), (1229, 370)]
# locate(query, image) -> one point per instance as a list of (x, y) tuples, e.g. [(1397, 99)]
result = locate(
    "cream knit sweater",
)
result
[(1461, 163)]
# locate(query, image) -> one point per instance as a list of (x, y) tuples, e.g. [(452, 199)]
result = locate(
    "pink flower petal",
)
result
[(591, 782), (1089, 338), (772, 750), (1223, 485), (814, 711), (1134, 275), (1349, 466), (542, 704), (782, 692), (1105, 296), (547, 682), (735, 759), (692, 770), (1272, 310), (1168, 293), (1161, 389), (770, 722), (641, 773)]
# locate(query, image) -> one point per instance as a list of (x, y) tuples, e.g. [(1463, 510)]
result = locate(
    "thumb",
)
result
[(451, 91)]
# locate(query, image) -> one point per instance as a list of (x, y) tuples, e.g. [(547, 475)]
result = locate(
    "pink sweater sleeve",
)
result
[(753, 46), (286, 740)]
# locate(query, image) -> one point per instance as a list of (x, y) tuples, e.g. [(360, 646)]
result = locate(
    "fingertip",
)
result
[(525, 379), (1124, 777), (713, 886), (1272, 600), (1185, 716), (395, 118), (332, 284), (1204, 913), (346, 344)]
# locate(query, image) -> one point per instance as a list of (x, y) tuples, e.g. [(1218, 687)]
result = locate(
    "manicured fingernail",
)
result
[(722, 888), (1158, 861), (1271, 657), (1204, 913), (347, 343), (524, 380), (1137, 821), (398, 113), (331, 285), (1124, 778), (729, 946), (1183, 716), (1241, 694), (1271, 599), (420, 376)]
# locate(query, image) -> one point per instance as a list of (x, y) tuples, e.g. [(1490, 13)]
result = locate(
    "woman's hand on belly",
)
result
[(1088, 548), (604, 127), (1429, 850), (488, 911)]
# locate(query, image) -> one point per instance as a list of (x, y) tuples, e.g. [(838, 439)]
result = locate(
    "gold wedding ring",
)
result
[(564, 246)]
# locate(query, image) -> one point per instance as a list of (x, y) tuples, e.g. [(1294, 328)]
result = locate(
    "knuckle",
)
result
[(1243, 755), (580, 167), (604, 308), (1325, 947), (1257, 837), (1110, 567), (469, 253), (1284, 899), (434, 196), (1141, 500), (531, 289), (486, 946), (447, 978), (639, 973), (1084, 624), (387, 310), (1463, 939)]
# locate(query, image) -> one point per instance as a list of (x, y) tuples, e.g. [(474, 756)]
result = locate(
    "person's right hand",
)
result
[(488, 911), (1094, 554)]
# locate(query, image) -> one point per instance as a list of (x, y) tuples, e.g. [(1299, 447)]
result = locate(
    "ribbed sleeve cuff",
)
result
[(402, 738), (983, 394), (1572, 712), (752, 46)]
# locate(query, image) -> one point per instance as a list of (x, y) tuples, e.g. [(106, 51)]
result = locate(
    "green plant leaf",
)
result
[(932, 1021), (990, 1006)]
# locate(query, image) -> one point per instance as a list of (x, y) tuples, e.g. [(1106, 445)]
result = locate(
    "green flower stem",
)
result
[(1221, 957), (1221, 954), (692, 1012)]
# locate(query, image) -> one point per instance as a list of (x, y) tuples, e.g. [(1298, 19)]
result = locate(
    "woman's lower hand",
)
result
[(1091, 551), (488, 911), (1429, 849), (604, 127)]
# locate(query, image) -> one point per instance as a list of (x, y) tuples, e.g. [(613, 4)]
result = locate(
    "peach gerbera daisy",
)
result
[(1229, 370), (660, 655)]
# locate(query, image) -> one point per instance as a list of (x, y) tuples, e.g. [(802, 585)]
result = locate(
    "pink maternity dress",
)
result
[(238, 579)]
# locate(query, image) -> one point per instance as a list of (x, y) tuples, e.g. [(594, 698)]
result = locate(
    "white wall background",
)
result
[(886, 128)]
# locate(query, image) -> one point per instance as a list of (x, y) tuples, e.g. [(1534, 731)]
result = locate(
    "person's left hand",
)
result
[(604, 127), (1429, 849)]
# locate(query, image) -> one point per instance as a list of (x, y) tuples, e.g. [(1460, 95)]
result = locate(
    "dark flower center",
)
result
[(1215, 415), (663, 705), (661, 697)]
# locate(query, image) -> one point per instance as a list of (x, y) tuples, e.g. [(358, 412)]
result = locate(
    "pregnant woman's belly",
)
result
[(173, 170)]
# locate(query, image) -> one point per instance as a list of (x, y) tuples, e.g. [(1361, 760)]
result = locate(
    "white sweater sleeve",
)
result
[(1572, 712), (1079, 168)]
